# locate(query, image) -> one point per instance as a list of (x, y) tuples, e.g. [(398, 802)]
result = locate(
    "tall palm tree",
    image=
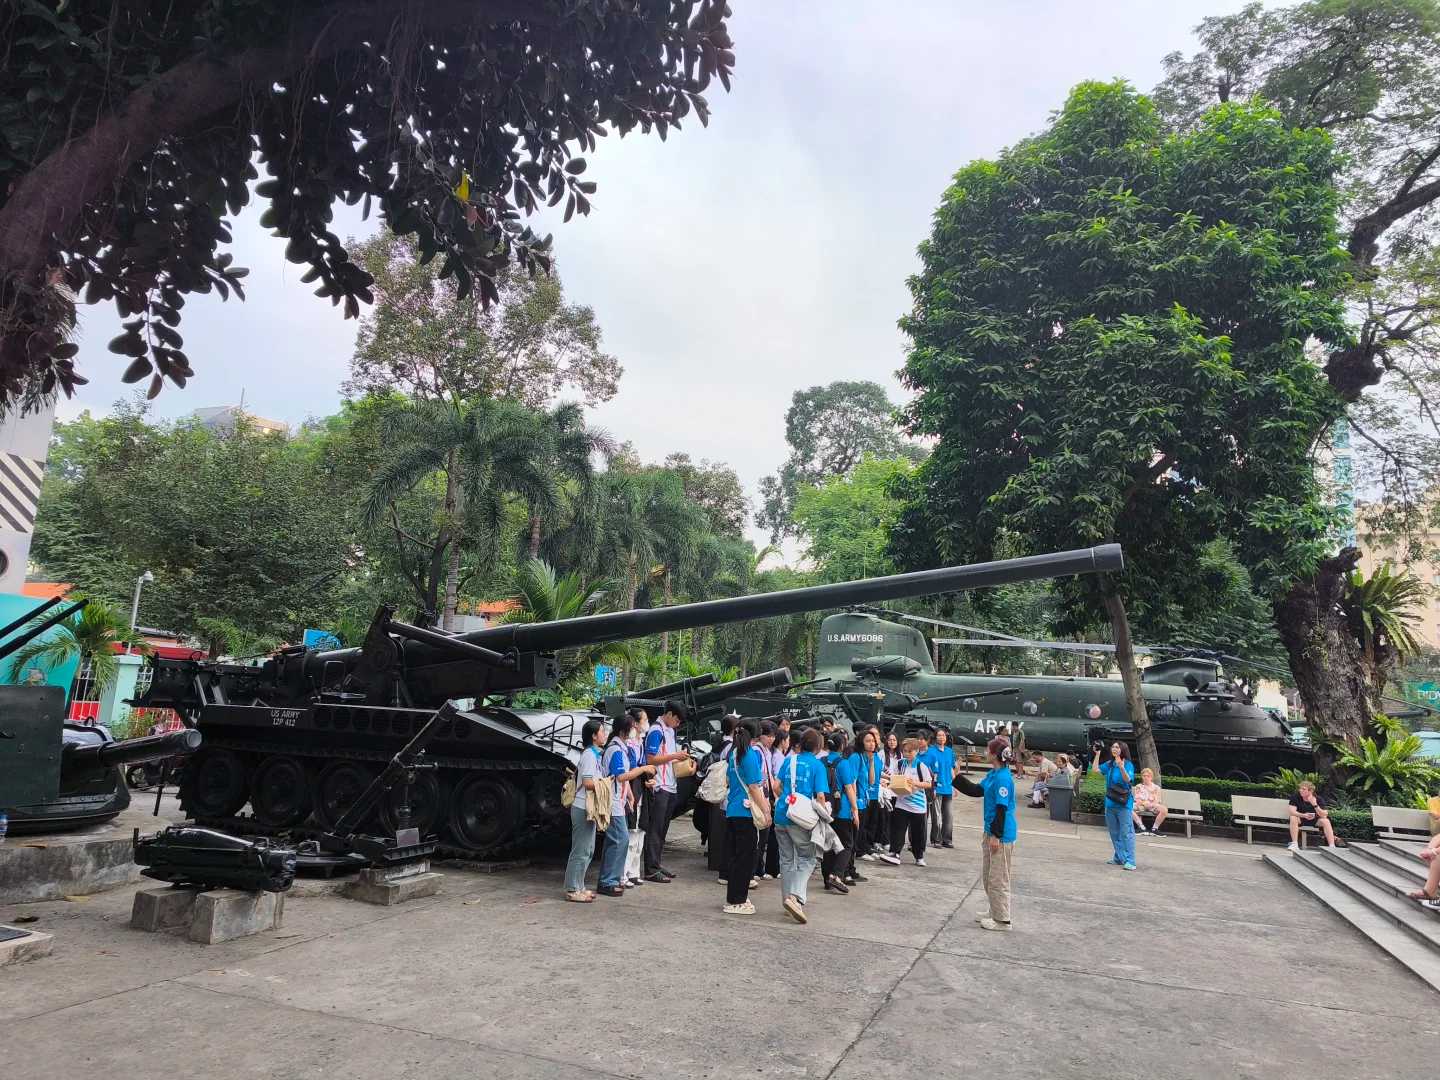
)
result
[(545, 596), (567, 447), (92, 634), (482, 453)]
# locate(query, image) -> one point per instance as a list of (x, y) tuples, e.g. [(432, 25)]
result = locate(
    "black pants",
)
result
[(837, 863), (717, 855), (902, 821), (740, 840), (767, 854), (873, 834), (660, 804)]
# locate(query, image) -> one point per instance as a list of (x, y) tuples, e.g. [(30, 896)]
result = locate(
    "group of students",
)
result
[(792, 801)]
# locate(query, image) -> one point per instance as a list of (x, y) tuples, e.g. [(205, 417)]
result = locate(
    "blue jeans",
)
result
[(797, 860), (617, 843), (582, 849), (1122, 832)]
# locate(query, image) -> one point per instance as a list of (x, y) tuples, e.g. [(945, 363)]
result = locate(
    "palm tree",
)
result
[(545, 596), (90, 634), (567, 448), (1380, 610), (482, 453)]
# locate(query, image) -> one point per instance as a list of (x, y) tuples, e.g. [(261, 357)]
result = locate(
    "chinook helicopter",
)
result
[(1204, 725)]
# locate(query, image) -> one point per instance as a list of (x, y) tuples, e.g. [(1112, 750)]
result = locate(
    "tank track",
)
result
[(530, 836)]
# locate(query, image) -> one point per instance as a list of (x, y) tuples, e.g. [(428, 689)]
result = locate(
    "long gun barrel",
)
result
[(550, 637), (80, 760), (683, 686)]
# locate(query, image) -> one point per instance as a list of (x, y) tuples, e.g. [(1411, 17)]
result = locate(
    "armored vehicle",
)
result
[(297, 738), (1202, 724)]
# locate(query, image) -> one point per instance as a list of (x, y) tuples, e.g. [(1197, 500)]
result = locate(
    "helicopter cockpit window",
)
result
[(970, 704), (1029, 708)]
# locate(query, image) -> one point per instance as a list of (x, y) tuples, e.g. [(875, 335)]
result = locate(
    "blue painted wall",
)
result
[(13, 606)]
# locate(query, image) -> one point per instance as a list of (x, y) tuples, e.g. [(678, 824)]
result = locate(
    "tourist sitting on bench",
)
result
[(1045, 772), (1307, 809), (1148, 801)]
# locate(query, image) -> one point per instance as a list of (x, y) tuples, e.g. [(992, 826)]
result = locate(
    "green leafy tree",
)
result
[(529, 345), (716, 489), (1368, 73), (1108, 342), (92, 634), (130, 137), (1382, 610), (480, 455), (829, 429), (545, 596), (845, 522), (1391, 766)]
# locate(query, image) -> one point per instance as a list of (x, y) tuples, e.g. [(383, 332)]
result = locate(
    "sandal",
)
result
[(1419, 894), (585, 897)]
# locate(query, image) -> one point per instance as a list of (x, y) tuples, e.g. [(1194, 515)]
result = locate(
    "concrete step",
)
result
[(1377, 926), (1388, 879), (1406, 914), (1409, 849), (1410, 868)]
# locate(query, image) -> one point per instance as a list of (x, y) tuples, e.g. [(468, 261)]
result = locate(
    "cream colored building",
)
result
[(1375, 551)]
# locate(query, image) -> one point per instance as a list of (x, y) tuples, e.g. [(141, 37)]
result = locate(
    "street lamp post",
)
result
[(140, 583)]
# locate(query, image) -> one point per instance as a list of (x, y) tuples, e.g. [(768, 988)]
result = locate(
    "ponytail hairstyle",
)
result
[(835, 741), (999, 749), (620, 729), (741, 736), (852, 745), (589, 731)]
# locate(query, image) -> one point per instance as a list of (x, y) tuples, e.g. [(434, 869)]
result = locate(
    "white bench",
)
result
[(1398, 823), (1181, 806), (1254, 812)]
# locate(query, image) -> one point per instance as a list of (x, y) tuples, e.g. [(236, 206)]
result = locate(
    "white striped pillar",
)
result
[(24, 446)]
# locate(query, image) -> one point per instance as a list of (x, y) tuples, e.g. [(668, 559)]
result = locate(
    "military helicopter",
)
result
[(1204, 724)]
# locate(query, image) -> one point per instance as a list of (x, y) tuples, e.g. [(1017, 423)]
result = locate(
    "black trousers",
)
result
[(901, 822), (740, 840), (873, 833), (717, 855), (837, 863), (767, 854), (659, 825)]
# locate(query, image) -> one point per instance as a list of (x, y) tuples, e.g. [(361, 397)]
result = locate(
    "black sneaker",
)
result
[(667, 872), (850, 880), (834, 884), (610, 890)]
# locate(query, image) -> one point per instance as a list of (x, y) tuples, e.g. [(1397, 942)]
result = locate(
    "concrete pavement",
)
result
[(1202, 964)]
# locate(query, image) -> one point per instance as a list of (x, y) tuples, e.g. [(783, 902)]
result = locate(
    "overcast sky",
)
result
[(731, 266)]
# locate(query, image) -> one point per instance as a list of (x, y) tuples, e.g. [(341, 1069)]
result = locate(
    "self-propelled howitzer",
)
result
[(298, 737)]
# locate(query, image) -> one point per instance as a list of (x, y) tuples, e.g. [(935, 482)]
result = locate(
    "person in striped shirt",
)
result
[(909, 815)]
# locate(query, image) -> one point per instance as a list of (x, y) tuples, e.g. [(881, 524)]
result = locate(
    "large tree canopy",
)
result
[(1109, 343), (128, 133)]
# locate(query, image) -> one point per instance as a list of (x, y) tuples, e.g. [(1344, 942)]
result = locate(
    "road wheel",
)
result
[(426, 804), (485, 811), (1204, 773), (280, 793), (341, 783), (1236, 774), (1170, 770), (217, 783), (135, 777)]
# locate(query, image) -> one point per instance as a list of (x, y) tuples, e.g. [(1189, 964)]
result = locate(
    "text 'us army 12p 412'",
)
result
[(298, 738)]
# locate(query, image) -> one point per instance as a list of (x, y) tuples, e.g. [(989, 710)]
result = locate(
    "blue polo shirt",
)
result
[(1112, 771), (615, 763), (739, 779), (871, 784), (942, 764), (847, 771), (809, 779), (999, 788)]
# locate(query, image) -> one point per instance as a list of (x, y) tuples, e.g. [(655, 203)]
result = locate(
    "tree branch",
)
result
[(1365, 237), (49, 199)]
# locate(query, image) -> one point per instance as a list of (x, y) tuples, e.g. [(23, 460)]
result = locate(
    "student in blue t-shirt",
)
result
[(851, 770), (841, 775), (801, 775), (997, 845), (942, 763), (873, 835), (615, 764), (908, 817), (744, 777), (1119, 777)]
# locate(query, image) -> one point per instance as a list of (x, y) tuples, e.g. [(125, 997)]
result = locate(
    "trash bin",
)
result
[(1061, 795)]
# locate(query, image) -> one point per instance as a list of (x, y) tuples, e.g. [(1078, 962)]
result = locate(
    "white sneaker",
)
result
[(1292, 846), (919, 862), (893, 860), (794, 909), (988, 923), (1333, 847), (869, 856), (746, 908)]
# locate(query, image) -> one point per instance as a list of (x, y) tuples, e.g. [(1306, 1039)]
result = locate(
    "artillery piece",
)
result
[(299, 737)]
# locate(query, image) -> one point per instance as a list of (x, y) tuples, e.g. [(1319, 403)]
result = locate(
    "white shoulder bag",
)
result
[(800, 809)]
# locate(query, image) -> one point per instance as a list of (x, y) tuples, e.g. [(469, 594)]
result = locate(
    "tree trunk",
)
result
[(1130, 674), (534, 536), (1325, 657), (697, 637)]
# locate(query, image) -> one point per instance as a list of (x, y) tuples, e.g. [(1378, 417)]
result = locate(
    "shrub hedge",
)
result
[(1215, 801)]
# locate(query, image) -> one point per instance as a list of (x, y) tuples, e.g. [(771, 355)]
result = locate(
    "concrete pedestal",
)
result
[(31, 945), (394, 886), (208, 917)]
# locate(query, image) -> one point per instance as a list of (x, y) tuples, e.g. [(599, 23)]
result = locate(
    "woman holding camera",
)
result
[(1119, 777)]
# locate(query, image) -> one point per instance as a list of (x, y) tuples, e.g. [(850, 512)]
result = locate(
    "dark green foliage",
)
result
[(128, 133), (1108, 341)]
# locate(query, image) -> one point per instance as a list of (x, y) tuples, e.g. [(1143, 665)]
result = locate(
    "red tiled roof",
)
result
[(45, 590)]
